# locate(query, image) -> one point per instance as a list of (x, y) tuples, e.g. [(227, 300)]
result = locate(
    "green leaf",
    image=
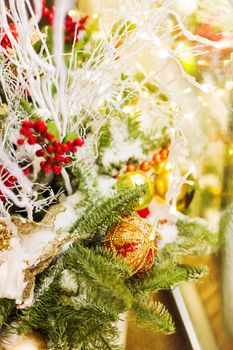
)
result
[(70, 136), (53, 129)]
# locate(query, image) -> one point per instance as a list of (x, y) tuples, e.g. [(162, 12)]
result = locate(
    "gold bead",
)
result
[(146, 166), (131, 167)]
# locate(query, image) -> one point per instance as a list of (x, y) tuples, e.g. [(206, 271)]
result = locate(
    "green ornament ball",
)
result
[(131, 180)]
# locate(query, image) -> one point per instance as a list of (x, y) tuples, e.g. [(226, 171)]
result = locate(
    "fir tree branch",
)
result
[(166, 276), (108, 212), (118, 262), (85, 181), (194, 238), (99, 275), (153, 315), (6, 307)]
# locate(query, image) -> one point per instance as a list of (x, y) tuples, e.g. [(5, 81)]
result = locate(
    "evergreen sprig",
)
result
[(194, 238), (154, 315), (98, 275), (85, 181), (99, 218), (166, 276), (6, 307)]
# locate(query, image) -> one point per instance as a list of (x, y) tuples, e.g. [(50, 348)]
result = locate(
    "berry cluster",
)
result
[(55, 154), (5, 42), (72, 28), (7, 179)]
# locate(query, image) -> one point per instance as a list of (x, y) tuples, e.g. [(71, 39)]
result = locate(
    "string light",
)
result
[(163, 54), (229, 85), (202, 63)]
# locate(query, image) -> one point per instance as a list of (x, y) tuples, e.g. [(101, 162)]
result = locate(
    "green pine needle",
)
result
[(98, 274), (194, 238), (100, 217), (153, 315), (166, 276), (6, 307)]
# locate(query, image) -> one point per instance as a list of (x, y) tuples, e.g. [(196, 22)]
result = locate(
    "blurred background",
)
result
[(196, 308)]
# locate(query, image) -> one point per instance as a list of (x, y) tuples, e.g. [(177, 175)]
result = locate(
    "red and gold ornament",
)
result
[(135, 240)]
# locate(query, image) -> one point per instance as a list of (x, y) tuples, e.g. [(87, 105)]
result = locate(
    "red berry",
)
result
[(65, 147), (72, 35), (68, 28), (42, 163), (74, 149), (49, 136), (27, 124), (58, 158), (144, 212), (40, 126), (66, 160), (50, 19), (57, 169), (57, 144), (40, 153), (50, 159), (5, 42), (25, 132), (45, 12), (20, 142), (32, 140), (27, 171), (50, 149), (52, 9), (68, 19), (69, 143), (47, 167), (79, 142), (58, 150), (67, 40)]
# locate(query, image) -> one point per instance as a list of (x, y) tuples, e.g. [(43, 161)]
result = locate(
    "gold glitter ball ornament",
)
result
[(131, 180), (135, 240), (5, 236), (162, 183)]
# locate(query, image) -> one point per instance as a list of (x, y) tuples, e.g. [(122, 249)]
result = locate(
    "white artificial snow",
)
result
[(65, 219), (12, 265), (121, 148), (68, 281), (168, 234), (167, 231), (27, 250), (106, 184)]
